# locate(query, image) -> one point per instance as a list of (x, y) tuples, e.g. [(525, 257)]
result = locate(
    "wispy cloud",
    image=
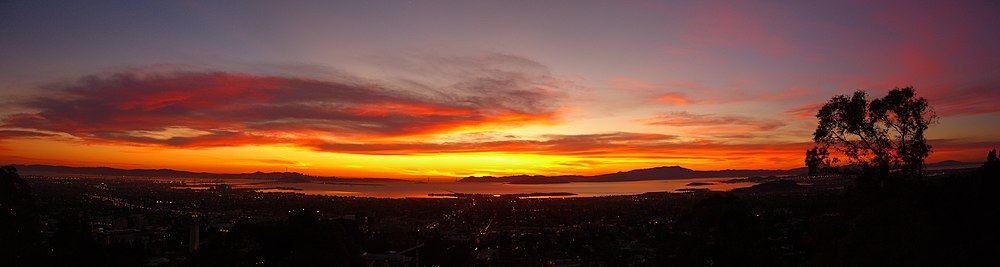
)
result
[(603, 143), (207, 109), (970, 100), (7, 134), (804, 111), (680, 92), (685, 119)]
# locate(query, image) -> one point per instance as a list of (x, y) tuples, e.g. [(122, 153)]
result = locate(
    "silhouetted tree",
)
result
[(18, 220), (880, 135), (991, 158), (992, 161), (817, 160)]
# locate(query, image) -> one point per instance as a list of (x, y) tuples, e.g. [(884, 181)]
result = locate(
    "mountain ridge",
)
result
[(40, 169), (664, 173), (653, 173)]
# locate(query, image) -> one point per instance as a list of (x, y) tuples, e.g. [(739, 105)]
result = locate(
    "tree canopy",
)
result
[(818, 160), (992, 161), (883, 134)]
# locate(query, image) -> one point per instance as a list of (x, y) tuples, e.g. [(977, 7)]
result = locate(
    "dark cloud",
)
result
[(8, 134), (12, 134), (203, 109)]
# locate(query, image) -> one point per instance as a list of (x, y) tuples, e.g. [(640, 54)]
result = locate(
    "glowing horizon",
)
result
[(412, 90)]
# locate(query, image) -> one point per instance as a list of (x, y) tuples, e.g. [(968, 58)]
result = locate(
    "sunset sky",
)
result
[(457, 88)]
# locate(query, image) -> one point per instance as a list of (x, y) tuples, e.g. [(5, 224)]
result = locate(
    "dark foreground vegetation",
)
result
[(943, 218)]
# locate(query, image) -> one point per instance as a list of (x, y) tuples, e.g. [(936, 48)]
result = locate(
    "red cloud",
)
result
[(206, 109), (976, 99), (805, 111), (673, 98)]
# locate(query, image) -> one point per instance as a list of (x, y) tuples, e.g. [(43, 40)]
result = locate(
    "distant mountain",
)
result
[(657, 173), (770, 187), (673, 172), (678, 172), (168, 173), (941, 165), (952, 164)]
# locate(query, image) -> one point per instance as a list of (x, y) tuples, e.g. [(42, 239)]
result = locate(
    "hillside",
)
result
[(49, 170), (671, 173), (657, 173)]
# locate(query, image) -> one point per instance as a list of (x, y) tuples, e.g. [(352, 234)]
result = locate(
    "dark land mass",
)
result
[(693, 189), (699, 184), (939, 219), (772, 186), (677, 172), (658, 173), (490, 196), (674, 172), (352, 184), (953, 164), (270, 188), (283, 177)]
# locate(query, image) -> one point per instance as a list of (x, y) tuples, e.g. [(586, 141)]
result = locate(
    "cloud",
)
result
[(215, 108), (591, 150), (946, 101), (15, 134), (275, 162), (805, 111), (976, 99), (685, 119), (10, 134), (602, 143), (676, 99), (681, 92)]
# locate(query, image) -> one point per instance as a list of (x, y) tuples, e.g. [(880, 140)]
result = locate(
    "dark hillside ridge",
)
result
[(168, 173), (665, 173)]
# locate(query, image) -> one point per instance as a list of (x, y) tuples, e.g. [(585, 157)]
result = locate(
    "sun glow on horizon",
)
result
[(277, 158)]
